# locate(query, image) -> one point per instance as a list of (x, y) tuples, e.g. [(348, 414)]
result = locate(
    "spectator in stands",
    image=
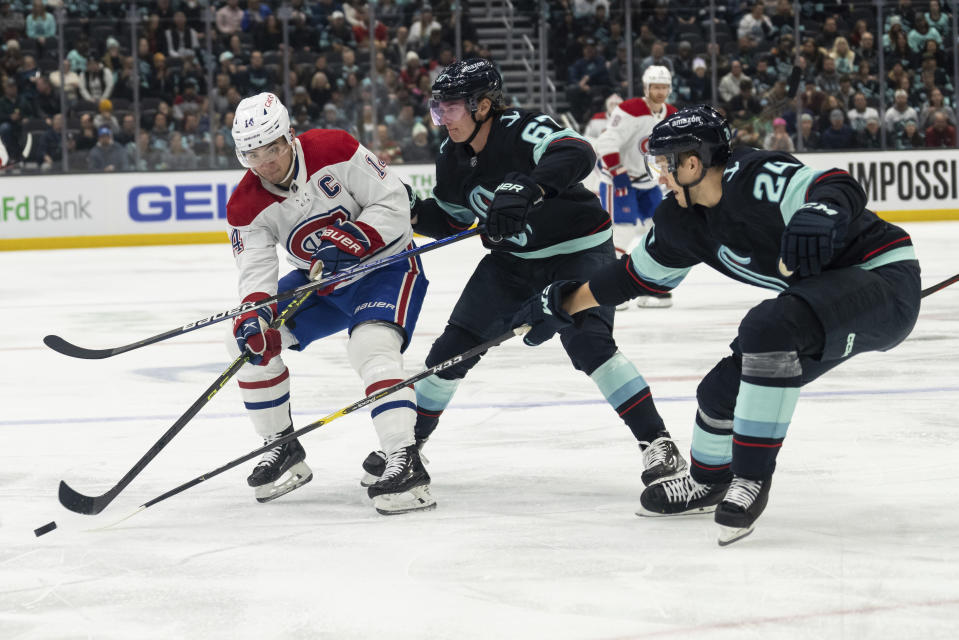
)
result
[(778, 139), (893, 29), (935, 105), (744, 105), (180, 36), (87, 136), (866, 81), (588, 78), (644, 43), (855, 36), (871, 136), (938, 20), (105, 117), (867, 49), (401, 129), (46, 101), (193, 137), (229, 18), (908, 136), (746, 136), (127, 132), (941, 133), (40, 24), (96, 82), (844, 57), (106, 155), (583, 8), (255, 15), (814, 55), (657, 56), (348, 65), (188, 101), (163, 80), (112, 59), (662, 23), (828, 79), (846, 92), (320, 89), (418, 149), (399, 46), (927, 84), (900, 53), (899, 111), (258, 78), (756, 25), (302, 100), (12, 23), (839, 135), (163, 10), (388, 150), (301, 119), (921, 32), (860, 112), (422, 26), (78, 54), (731, 83), (618, 71), (683, 60), (177, 156), (50, 149), (776, 101), (160, 132), (333, 118), (361, 30), (763, 76), (829, 33), (236, 49), (68, 79), (434, 46)]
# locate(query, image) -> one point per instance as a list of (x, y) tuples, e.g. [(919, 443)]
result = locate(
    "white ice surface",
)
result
[(536, 479)]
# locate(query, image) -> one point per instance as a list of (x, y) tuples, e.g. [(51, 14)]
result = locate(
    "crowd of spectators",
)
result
[(763, 64), (333, 81)]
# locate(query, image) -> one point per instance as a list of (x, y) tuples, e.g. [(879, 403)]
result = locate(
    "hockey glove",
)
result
[(512, 201), (413, 198), (253, 333), (621, 182), (343, 245), (813, 234), (544, 312)]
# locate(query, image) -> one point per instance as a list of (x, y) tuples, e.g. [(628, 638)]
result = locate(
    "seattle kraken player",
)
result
[(519, 173), (848, 283)]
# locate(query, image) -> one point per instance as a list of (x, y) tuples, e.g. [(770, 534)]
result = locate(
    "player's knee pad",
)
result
[(716, 393), (775, 325), (454, 341), (591, 344), (374, 351)]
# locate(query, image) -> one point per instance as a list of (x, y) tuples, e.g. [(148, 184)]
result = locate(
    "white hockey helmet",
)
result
[(258, 121), (613, 101), (656, 74)]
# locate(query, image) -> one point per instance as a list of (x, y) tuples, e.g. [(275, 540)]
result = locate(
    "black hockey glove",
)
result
[(544, 312), (813, 234), (512, 201), (412, 197)]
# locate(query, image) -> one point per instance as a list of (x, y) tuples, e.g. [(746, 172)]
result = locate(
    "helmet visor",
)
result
[(659, 166), (446, 111), (261, 155)]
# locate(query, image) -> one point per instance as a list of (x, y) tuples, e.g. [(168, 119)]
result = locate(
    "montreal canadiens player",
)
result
[(628, 192), (847, 283), (331, 205)]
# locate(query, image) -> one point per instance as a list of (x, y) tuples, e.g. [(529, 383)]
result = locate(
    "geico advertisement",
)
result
[(920, 184)]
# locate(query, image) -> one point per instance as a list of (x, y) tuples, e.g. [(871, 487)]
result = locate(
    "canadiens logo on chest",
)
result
[(304, 239)]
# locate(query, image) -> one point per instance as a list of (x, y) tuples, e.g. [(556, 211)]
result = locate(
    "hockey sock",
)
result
[(265, 391), (374, 352), (627, 392), (711, 452), (433, 394)]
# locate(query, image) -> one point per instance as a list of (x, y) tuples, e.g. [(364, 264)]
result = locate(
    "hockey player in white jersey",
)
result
[(331, 205), (628, 192), (600, 120)]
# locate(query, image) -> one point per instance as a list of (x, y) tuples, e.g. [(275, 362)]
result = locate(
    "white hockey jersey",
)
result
[(626, 139), (336, 179)]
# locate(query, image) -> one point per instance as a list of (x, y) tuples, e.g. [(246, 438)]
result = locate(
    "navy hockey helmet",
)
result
[(700, 129), (471, 80)]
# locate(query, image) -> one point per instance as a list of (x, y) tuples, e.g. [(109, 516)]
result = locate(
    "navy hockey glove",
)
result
[(813, 234), (343, 245), (512, 201), (253, 333), (544, 312), (621, 183)]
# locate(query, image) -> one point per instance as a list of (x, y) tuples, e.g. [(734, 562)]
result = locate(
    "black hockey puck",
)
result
[(47, 528)]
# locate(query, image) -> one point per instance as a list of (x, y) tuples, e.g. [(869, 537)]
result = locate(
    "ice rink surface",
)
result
[(536, 479)]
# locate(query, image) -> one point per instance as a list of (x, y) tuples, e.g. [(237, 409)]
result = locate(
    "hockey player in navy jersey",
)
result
[(518, 173), (331, 205), (847, 283), (626, 189)]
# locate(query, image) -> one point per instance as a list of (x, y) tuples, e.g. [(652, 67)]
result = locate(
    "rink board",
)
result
[(126, 209)]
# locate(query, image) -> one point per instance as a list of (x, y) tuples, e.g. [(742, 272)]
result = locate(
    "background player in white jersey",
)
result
[(600, 120), (331, 205), (629, 193)]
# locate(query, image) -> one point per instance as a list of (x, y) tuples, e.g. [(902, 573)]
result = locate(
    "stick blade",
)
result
[(79, 503), (60, 345)]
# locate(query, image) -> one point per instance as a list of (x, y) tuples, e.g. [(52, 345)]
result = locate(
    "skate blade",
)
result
[(644, 513), (416, 499), (651, 302), (729, 535), (297, 476)]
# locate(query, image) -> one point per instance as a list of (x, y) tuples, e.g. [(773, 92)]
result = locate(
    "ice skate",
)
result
[(404, 485), (659, 301), (661, 460), (744, 502), (375, 464), (680, 496), (280, 470)]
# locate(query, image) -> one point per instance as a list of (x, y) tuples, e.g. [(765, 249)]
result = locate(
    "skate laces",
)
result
[(395, 463), (270, 456), (742, 492), (684, 489), (657, 452)]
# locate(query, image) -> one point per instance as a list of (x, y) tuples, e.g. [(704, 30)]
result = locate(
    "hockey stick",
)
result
[(69, 349), (302, 431), (942, 285), (92, 505)]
